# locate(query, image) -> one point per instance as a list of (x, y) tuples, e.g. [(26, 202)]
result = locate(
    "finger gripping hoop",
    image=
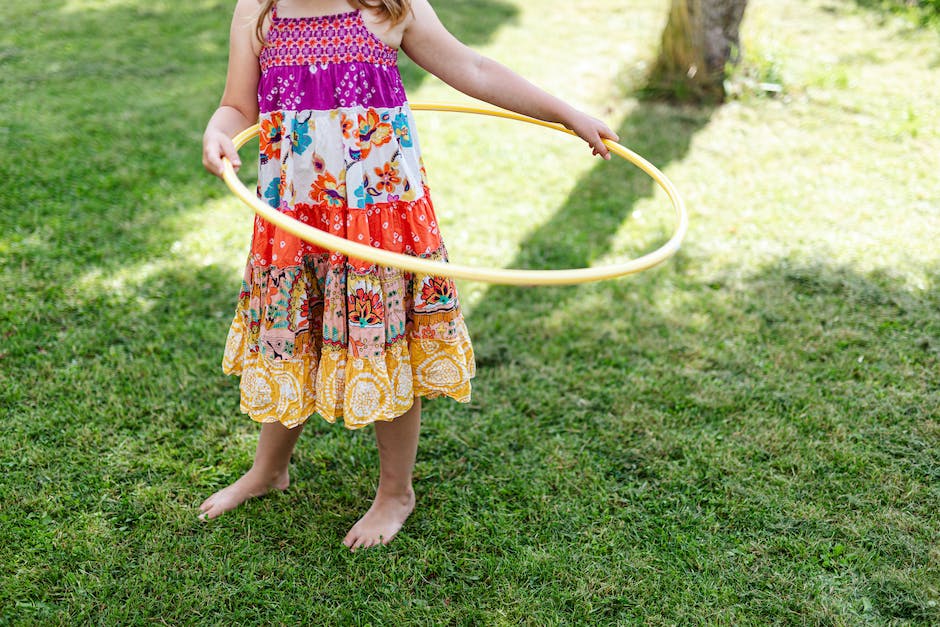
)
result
[(457, 271)]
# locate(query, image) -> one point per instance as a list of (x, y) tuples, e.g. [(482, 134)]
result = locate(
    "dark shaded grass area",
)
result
[(640, 463), (745, 426), (758, 447)]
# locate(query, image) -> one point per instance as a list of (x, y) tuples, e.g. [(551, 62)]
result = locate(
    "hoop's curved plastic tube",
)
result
[(456, 271)]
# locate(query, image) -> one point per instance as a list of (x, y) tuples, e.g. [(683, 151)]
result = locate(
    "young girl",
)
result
[(314, 331)]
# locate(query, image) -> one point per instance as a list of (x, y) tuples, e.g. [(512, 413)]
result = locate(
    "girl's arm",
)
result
[(239, 107), (431, 46)]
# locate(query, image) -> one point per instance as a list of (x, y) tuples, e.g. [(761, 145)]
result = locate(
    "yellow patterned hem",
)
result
[(335, 384)]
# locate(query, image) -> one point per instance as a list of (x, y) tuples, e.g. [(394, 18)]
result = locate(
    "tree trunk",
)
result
[(699, 42)]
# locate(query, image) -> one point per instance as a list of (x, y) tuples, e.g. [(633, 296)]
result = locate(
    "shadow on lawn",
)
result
[(733, 433), (738, 402), (583, 228)]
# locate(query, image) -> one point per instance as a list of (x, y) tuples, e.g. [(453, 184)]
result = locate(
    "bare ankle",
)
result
[(272, 477), (258, 481), (403, 493)]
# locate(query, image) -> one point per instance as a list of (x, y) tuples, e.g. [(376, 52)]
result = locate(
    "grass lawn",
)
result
[(749, 434)]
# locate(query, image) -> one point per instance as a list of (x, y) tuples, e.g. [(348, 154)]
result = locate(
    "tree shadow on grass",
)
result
[(716, 437), (776, 414), (582, 230)]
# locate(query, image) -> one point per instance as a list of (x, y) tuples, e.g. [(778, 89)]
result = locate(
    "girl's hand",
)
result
[(215, 145), (239, 106), (593, 131)]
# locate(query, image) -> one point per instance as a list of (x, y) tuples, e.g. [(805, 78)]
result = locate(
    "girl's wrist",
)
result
[(215, 133), (567, 115)]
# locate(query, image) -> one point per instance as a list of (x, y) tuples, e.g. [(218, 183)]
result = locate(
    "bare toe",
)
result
[(213, 512), (207, 503), (382, 522), (251, 484)]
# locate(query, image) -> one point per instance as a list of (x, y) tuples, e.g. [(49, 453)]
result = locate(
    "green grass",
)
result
[(923, 12), (747, 435)]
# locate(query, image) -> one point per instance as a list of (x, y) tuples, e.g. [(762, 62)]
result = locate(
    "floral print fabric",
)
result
[(315, 331)]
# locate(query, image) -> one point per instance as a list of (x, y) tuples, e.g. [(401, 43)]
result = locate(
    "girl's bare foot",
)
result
[(253, 483), (383, 520)]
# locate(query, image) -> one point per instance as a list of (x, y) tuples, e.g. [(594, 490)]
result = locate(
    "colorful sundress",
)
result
[(315, 331)]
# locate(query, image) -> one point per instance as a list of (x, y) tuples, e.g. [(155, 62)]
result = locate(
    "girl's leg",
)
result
[(275, 446), (395, 498)]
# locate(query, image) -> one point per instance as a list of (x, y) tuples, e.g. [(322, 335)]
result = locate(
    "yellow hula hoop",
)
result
[(457, 271)]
